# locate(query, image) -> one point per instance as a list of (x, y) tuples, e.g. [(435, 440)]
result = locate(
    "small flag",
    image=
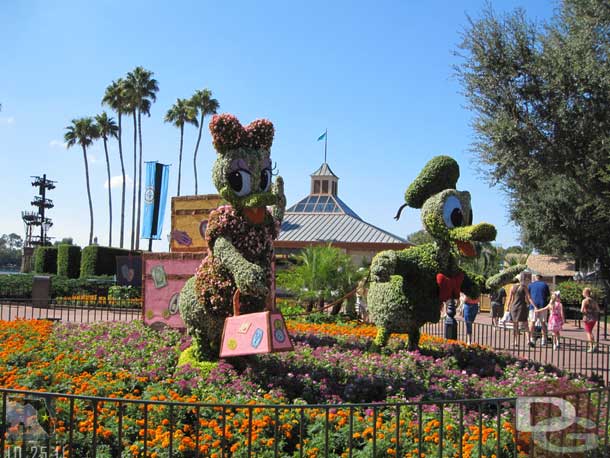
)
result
[(322, 137), (155, 196)]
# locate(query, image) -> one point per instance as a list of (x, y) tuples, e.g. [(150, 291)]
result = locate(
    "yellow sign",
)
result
[(190, 215)]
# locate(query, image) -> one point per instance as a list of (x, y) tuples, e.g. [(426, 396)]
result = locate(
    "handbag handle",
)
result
[(270, 305)]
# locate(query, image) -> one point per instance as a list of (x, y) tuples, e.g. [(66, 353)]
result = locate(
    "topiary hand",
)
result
[(251, 280), (278, 191), (383, 266)]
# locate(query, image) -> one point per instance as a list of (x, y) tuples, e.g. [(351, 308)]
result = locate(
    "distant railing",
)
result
[(54, 424), (571, 356)]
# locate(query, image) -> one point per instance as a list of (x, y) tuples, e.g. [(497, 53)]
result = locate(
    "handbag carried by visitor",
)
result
[(254, 333)]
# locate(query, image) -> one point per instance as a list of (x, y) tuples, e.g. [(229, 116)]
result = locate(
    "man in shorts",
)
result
[(540, 293)]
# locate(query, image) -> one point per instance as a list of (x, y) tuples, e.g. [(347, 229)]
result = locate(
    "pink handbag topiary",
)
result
[(254, 333)]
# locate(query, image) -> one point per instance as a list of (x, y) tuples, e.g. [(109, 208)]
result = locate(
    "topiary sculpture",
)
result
[(239, 236), (408, 286)]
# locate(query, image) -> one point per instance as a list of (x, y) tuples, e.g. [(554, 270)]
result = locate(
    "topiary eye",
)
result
[(240, 181), (265, 180), (452, 212)]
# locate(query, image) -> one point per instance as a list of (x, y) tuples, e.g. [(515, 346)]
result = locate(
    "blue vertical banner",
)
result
[(155, 197)]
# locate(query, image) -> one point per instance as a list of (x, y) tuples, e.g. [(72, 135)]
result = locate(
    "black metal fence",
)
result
[(571, 356), (51, 425), (80, 311)]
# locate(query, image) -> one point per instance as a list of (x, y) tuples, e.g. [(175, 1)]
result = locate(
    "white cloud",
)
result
[(8, 120), (92, 158), (58, 144), (117, 181)]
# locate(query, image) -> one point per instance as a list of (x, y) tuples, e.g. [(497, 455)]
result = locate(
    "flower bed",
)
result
[(94, 300), (331, 364)]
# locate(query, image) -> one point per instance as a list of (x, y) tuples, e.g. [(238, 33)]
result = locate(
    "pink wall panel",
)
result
[(164, 277)]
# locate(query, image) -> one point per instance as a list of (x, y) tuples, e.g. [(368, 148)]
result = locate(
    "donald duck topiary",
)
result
[(239, 235), (408, 286)]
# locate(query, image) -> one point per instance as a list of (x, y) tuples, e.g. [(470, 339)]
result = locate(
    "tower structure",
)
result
[(37, 220)]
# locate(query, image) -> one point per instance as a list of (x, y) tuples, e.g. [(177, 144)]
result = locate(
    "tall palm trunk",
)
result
[(180, 157), (109, 193), (88, 196), (139, 181), (135, 171), (123, 187), (196, 150)]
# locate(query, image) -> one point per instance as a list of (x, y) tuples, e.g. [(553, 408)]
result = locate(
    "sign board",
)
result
[(129, 271), (189, 220), (164, 276)]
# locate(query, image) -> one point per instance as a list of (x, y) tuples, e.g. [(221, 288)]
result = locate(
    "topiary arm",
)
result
[(504, 277), (278, 191), (249, 278)]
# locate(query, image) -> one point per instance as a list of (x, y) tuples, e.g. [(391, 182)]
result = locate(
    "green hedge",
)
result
[(45, 260), (68, 260), (101, 260), (20, 285), (571, 292)]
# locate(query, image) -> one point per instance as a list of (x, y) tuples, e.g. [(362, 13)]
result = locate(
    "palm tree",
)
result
[(181, 112), (83, 131), (114, 97), (106, 127), (206, 105), (141, 89)]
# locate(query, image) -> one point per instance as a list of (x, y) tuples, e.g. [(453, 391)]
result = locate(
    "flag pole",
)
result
[(325, 143)]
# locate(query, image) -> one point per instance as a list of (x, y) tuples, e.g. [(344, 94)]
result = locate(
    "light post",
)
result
[(597, 266), (450, 321), (46, 225)]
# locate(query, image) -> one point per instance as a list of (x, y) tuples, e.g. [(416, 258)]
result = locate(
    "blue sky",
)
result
[(378, 75)]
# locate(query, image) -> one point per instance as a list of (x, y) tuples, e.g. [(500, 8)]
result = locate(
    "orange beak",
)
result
[(467, 249)]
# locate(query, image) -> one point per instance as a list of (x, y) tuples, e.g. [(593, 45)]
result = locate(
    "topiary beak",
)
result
[(462, 236)]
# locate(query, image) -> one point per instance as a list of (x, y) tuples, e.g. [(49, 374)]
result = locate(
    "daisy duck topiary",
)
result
[(408, 286), (239, 235)]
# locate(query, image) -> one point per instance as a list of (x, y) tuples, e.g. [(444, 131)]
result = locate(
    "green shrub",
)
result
[(16, 286), (45, 260), (571, 292), (68, 260), (19, 286), (123, 292), (101, 260)]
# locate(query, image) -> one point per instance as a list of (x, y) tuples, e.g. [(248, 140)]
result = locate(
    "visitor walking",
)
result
[(590, 312), (498, 298), (539, 292), (556, 319), (470, 310), (519, 300)]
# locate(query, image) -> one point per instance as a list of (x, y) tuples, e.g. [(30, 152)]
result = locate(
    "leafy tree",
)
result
[(541, 97), (322, 273), (141, 90), (10, 250), (205, 105), (115, 98), (106, 128), (64, 241), (420, 237), (12, 241), (83, 131), (487, 262), (180, 113)]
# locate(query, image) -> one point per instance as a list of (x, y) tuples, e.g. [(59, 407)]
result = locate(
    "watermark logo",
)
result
[(542, 426), (23, 424)]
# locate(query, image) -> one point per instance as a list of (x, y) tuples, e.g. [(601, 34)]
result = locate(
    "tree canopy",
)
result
[(540, 94)]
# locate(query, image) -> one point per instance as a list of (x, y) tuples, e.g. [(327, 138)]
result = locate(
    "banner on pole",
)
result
[(155, 197)]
